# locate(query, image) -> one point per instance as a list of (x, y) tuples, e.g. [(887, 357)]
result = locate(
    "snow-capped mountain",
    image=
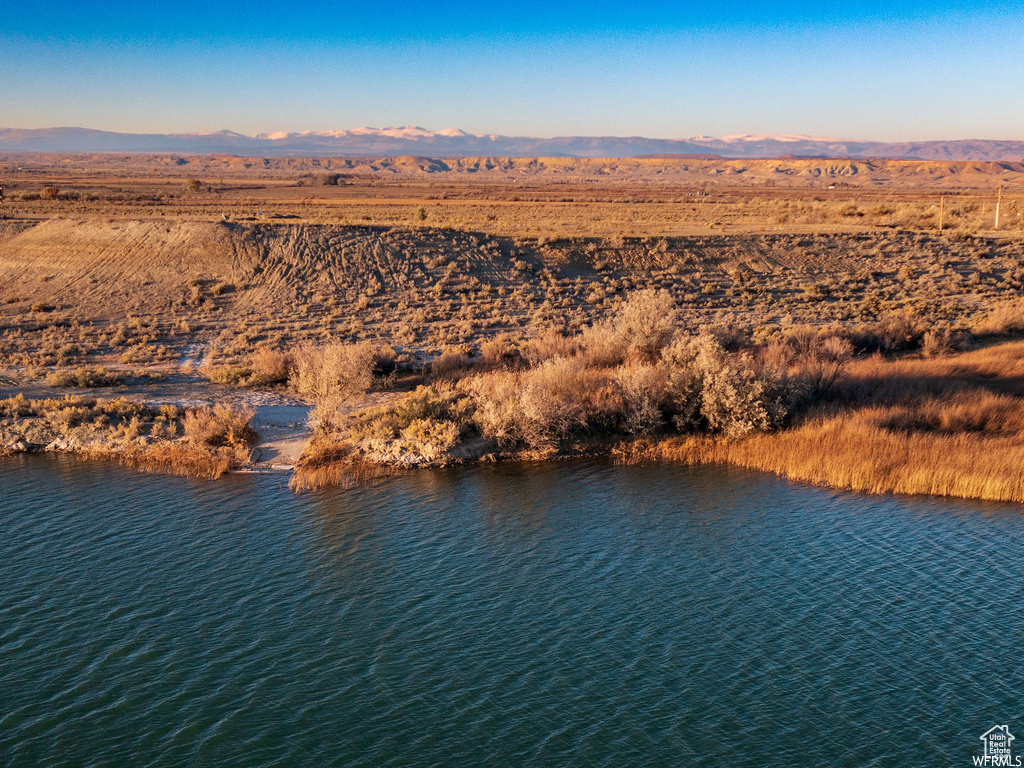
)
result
[(454, 142)]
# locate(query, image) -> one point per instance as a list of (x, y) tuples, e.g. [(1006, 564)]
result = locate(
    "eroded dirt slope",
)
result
[(107, 267)]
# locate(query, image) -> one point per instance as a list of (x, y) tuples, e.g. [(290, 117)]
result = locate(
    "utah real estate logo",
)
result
[(997, 748)]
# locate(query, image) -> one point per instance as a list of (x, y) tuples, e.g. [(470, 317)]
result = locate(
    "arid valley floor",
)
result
[(854, 323)]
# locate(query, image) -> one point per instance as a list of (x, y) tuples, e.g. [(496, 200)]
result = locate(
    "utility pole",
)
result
[(942, 212), (999, 202)]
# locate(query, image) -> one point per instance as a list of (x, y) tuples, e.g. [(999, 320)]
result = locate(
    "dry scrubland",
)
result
[(202, 442), (736, 311)]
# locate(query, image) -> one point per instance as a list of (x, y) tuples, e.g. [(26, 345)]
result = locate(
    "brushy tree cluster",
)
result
[(637, 374)]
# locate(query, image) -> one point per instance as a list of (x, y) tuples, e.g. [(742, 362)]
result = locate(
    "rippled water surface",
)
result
[(565, 614)]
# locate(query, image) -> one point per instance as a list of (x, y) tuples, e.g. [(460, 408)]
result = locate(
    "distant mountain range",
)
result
[(413, 140)]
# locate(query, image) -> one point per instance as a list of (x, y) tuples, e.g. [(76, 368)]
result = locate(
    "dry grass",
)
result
[(950, 425), (552, 197), (328, 464), (787, 277), (543, 403), (855, 452), (947, 427), (174, 459)]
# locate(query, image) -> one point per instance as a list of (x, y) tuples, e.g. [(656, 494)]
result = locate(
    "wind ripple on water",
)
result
[(549, 615)]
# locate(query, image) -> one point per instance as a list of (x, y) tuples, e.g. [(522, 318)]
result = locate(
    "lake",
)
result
[(570, 613)]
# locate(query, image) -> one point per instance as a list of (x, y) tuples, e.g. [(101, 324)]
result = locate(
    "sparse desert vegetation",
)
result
[(198, 442), (800, 405), (435, 311)]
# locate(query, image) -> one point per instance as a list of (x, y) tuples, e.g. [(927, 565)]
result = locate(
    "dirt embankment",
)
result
[(92, 265), (118, 265), (105, 268)]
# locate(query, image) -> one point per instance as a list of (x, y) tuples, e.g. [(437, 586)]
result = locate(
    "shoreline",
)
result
[(950, 425), (172, 459)]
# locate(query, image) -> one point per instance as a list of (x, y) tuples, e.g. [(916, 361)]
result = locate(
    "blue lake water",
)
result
[(574, 613)]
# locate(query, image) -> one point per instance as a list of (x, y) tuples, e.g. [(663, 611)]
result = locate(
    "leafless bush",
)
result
[(642, 389), (384, 360), (1003, 319), (647, 321), (547, 346), (603, 344), (499, 351), (820, 360), (220, 426), (84, 377), (270, 366), (538, 408), (499, 411), (937, 342), (450, 363), (643, 325), (893, 333), (333, 375)]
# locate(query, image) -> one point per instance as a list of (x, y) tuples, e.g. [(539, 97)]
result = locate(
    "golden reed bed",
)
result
[(946, 427)]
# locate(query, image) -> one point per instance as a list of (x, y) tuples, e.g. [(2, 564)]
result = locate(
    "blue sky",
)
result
[(899, 71)]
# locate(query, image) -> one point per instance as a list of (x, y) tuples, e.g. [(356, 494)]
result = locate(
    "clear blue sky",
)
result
[(895, 71)]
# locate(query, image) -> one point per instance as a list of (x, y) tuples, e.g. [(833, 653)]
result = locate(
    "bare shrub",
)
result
[(229, 375), (538, 408), (145, 353), (603, 344), (450, 363), (642, 389), (270, 366), (937, 342), (385, 360), (820, 360), (646, 321), (421, 427), (547, 346), (1003, 319), (220, 426), (432, 436), (84, 377), (499, 351), (893, 333), (499, 412), (552, 401), (330, 376), (643, 325)]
